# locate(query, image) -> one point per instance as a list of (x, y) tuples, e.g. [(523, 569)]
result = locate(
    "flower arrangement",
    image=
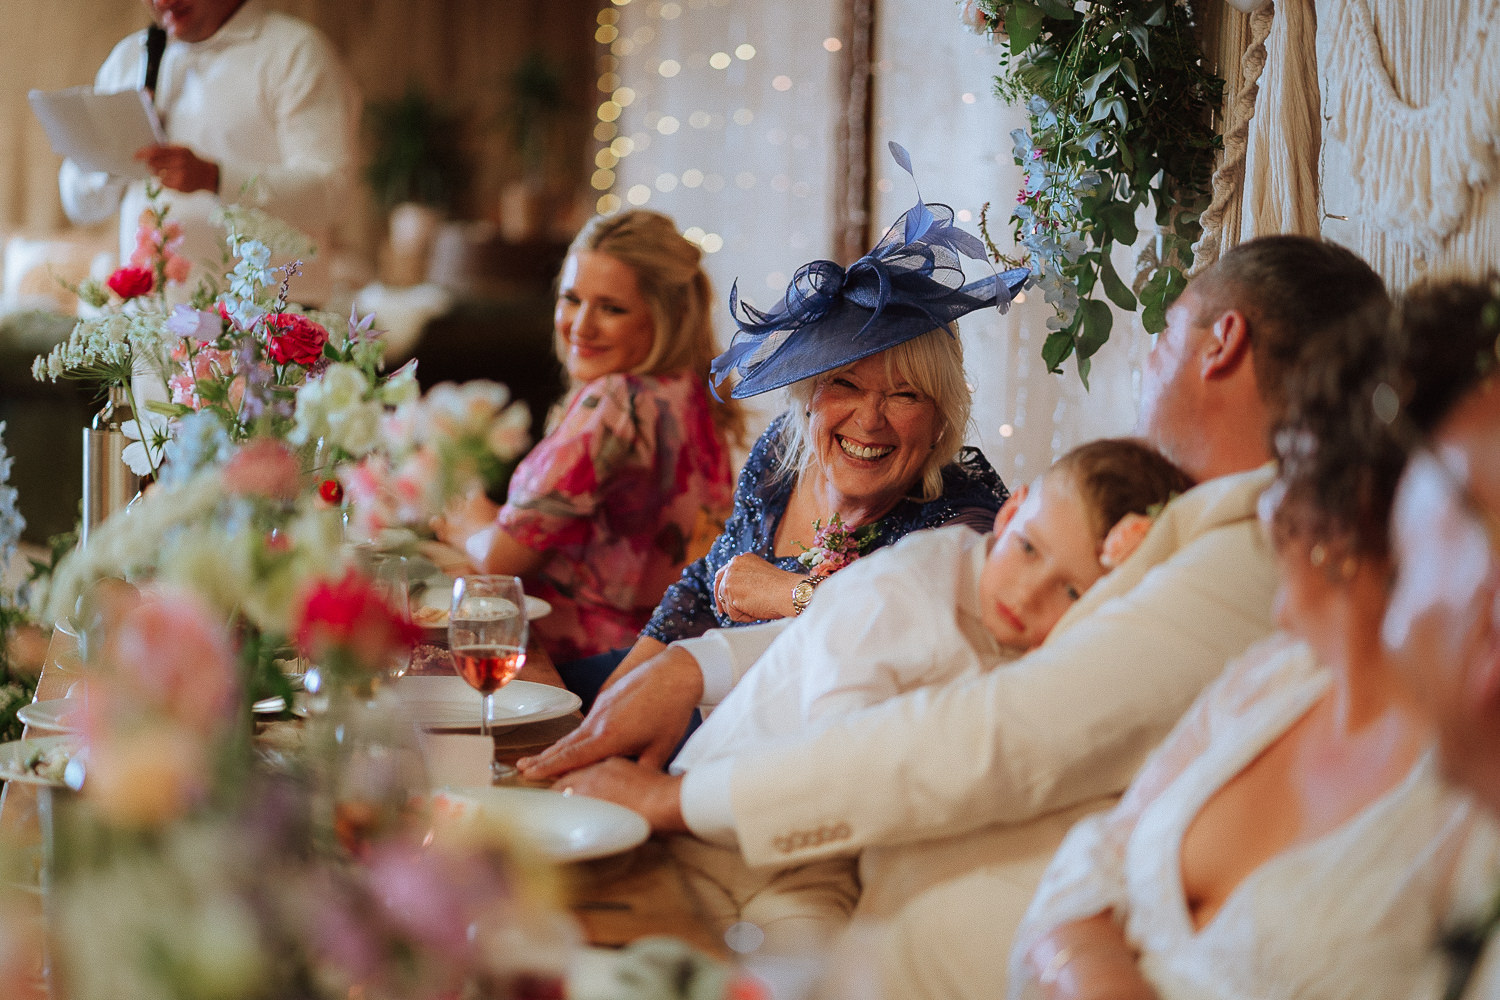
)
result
[(1120, 108), (433, 447), (242, 355), (193, 864), (834, 546)]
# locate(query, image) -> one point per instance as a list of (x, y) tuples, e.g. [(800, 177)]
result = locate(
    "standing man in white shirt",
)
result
[(991, 770), (256, 110)]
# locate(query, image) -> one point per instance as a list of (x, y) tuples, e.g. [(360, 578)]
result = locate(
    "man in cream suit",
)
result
[(990, 771)]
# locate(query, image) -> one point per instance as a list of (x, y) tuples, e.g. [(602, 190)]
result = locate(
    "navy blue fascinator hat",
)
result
[(912, 282)]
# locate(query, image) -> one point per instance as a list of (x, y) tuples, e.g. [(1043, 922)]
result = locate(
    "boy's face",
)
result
[(1044, 556)]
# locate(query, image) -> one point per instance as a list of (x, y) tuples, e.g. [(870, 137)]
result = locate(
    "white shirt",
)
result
[(855, 645), (266, 99), (1065, 724)]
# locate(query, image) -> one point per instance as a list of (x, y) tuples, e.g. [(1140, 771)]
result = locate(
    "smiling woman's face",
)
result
[(871, 433), (601, 317)]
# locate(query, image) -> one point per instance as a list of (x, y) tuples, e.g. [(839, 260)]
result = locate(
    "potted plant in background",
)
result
[(416, 171), (536, 102)]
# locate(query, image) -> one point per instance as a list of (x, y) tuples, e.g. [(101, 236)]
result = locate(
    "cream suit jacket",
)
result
[(1058, 729)]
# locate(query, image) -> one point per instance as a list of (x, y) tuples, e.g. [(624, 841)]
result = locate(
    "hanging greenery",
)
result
[(1120, 113)]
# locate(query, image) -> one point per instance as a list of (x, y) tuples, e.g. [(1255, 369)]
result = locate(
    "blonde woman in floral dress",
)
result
[(600, 514)]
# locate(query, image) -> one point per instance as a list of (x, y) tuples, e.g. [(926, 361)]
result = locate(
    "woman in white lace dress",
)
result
[(1291, 838)]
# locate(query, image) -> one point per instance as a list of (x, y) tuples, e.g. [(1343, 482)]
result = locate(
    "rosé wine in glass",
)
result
[(487, 632), (488, 668)]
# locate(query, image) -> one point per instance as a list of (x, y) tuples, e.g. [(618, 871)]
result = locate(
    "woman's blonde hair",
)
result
[(933, 364), (677, 291)]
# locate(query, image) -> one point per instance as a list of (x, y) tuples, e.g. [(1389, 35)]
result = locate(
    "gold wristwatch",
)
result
[(802, 593)]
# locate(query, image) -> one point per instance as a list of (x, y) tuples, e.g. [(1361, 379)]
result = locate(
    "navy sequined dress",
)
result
[(972, 493)]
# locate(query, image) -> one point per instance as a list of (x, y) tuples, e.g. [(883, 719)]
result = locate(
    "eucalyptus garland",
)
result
[(1120, 114)]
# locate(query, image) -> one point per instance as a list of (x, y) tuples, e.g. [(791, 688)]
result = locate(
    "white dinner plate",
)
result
[(449, 702), (60, 715), (17, 756), (431, 609), (562, 827)]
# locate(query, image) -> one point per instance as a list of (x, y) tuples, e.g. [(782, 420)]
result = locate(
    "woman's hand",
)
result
[(470, 526), (645, 714), (749, 589), (653, 794), (467, 524), (1088, 960)]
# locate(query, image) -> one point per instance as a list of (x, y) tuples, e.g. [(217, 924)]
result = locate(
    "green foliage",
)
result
[(415, 154), (1120, 109)]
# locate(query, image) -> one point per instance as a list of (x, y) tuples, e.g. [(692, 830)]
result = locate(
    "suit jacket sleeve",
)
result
[(1069, 722)]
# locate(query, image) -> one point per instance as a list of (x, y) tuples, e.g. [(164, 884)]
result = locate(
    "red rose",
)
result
[(131, 282), (294, 339), (350, 620), (331, 492)]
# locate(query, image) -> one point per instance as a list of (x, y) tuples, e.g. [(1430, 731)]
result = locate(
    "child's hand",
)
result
[(1123, 539)]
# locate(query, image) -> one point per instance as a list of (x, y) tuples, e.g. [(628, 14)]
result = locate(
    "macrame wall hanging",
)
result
[(1414, 170)]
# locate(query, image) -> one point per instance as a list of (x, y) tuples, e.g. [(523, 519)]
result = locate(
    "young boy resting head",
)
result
[(936, 606)]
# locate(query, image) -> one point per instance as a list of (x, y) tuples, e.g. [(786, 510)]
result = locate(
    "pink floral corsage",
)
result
[(835, 546)]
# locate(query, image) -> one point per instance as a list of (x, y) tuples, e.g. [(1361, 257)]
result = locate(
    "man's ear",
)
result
[(1009, 507), (1228, 344)]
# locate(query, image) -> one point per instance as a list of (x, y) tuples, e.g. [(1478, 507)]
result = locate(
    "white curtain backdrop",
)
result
[(742, 157)]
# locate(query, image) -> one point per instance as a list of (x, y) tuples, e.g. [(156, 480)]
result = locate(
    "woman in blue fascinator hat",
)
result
[(879, 404)]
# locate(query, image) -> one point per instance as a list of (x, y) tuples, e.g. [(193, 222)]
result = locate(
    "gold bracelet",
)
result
[(1059, 961)]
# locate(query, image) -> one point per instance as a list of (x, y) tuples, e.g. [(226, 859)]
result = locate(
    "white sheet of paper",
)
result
[(99, 131)]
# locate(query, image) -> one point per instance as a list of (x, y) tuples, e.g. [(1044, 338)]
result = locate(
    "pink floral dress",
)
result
[(613, 494)]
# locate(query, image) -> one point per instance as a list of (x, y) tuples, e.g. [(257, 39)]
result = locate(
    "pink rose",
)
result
[(264, 468), (294, 339), (131, 282)]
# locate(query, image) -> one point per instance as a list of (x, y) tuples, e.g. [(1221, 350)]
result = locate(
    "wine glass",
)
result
[(487, 639), (389, 574)]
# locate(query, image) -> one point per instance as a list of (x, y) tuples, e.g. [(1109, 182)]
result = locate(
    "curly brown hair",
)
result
[(1119, 476), (1338, 459), (1450, 339), (1360, 400)]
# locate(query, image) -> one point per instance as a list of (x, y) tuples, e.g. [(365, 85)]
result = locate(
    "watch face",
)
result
[(802, 593)]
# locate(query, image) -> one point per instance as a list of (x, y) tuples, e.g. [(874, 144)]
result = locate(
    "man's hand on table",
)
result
[(649, 791), (644, 715)]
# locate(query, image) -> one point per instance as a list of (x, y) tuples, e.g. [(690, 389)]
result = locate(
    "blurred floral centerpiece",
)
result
[(192, 863)]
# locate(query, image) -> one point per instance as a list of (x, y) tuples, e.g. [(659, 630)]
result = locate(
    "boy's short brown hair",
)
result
[(1119, 476)]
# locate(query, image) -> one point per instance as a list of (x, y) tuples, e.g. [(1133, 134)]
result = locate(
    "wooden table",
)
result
[(617, 899)]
